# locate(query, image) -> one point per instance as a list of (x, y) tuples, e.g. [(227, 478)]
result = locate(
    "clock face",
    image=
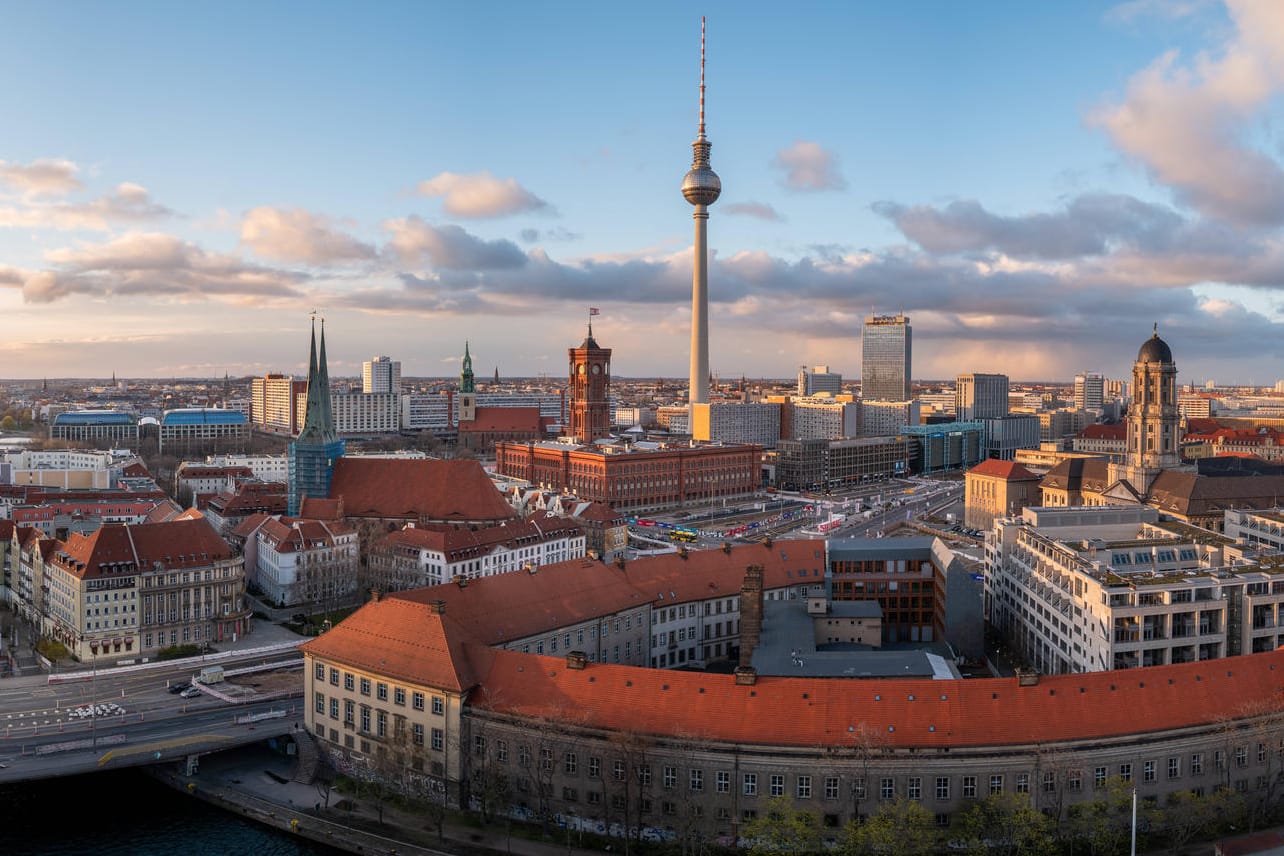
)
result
[(596, 368)]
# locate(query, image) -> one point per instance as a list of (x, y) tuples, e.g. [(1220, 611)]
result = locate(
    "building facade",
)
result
[(590, 389), (95, 426), (819, 379), (980, 396), (382, 374), (737, 422), (886, 352)]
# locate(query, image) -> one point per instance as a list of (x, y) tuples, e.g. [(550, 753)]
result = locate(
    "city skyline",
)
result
[(1034, 186)]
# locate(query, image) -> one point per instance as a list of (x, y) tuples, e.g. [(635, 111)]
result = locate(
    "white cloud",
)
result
[(156, 265), (296, 235), (480, 195), (809, 167), (760, 210), (1186, 122), (415, 242), (129, 204), (43, 177)]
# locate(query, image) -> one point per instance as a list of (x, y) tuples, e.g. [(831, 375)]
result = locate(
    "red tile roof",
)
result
[(1007, 470), (453, 541), (191, 543), (504, 419), (418, 489), (319, 508), (1104, 432)]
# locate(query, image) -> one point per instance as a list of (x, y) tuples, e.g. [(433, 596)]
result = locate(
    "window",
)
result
[(697, 781), (593, 797), (365, 686), (802, 788), (365, 719), (1074, 781), (381, 723), (348, 683), (320, 703), (418, 699), (1148, 771), (546, 759), (524, 755), (1174, 768), (320, 673), (1219, 760), (438, 705), (399, 696), (722, 782), (569, 795), (1197, 764), (381, 691), (1261, 753), (776, 785), (643, 772), (438, 739), (914, 788), (1241, 756), (418, 731), (1099, 778), (334, 677), (969, 787), (943, 788), (670, 777), (1125, 772), (1049, 781), (858, 788), (501, 751), (887, 788), (1023, 783), (570, 763), (617, 770), (595, 768), (751, 784), (831, 787), (349, 712), (996, 785)]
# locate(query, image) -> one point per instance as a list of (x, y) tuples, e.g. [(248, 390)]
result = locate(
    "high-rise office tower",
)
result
[(314, 451), (701, 187), (382, 374), (980, 396), (1089, 391), (885, 358)]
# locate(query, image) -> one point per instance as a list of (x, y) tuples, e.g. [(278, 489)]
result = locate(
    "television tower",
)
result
[(701, 187)]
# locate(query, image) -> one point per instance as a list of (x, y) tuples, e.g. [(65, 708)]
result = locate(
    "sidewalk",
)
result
[(258, 783)]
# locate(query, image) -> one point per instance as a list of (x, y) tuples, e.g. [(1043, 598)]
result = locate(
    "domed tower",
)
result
[(1153, 419), (701, 187)]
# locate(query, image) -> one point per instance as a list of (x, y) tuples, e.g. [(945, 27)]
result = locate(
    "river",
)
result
[(128, 813)]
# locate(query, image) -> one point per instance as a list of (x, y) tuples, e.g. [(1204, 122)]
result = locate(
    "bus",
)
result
[(685, 535)]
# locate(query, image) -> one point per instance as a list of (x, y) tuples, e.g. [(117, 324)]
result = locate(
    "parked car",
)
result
[(190, 692), (179, 687)]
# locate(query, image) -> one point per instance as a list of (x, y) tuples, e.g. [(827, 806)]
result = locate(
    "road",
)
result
[(43, 737)]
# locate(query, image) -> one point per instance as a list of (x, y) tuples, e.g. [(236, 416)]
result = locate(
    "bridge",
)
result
[(80, 722)]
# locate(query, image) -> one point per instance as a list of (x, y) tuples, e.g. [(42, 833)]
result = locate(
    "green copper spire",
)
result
[(466, 376), (318, 419)]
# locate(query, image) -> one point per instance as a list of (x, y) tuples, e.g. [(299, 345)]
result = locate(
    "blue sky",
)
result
[(1034, 184)]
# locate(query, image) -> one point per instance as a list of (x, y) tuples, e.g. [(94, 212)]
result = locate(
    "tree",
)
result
[(900, 827), (783, 828), (1105, 823), (1188, 817), (1005, 824)]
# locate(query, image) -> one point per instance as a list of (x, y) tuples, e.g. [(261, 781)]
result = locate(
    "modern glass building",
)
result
[(885, 358)]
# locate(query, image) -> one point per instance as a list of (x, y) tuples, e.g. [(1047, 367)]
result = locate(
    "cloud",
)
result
[(761, 210), (128, 204), (1090, 224), (480, 195), (43, 177), (415, 242), (296, 235), (1127, 13), (558, 233), (1187, 123), (157, 265), (12, 277), (808, 167)]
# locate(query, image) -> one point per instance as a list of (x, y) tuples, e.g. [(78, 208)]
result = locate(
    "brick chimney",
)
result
[(438, 607), (746, 676), (374, 595), (576, 660), (750, 614)]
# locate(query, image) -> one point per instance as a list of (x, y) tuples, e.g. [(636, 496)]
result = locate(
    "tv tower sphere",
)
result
[(701, 186)]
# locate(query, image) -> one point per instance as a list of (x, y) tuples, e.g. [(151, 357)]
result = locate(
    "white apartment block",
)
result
[(306, 561), (1090, 589), (822, 418), (272, 402), (819, 379), (736, 422), (422, 412), (886, 418), (1263, 529), (268, 468), (62, 468), (382, 374), (366, 412)]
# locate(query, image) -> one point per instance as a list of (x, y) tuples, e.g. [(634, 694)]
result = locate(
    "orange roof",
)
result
[(910, 712), (1104, 432), (191, 543), (402, 639), (455, 541), (319, 508), (505, 419), (1008, 470), (418, 489)]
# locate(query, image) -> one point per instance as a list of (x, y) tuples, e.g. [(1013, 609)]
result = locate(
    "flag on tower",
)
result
[(593, 311)]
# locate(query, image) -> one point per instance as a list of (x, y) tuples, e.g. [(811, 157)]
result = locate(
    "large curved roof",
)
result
[(203, 416), (93, 417)]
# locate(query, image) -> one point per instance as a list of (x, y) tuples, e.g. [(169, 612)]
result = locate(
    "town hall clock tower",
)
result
[(590, 384)]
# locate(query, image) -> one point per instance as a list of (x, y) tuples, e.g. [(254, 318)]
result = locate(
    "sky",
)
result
[(1036, 185)]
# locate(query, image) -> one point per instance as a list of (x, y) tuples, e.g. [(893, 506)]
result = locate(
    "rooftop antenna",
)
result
[(701, 134)]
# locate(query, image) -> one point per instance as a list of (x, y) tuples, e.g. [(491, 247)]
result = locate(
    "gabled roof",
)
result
[(504, 419), (455, 542), (1006, 470), (403, 639), (1101, 431), (319, 508), (418, 489), (190, 543)]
